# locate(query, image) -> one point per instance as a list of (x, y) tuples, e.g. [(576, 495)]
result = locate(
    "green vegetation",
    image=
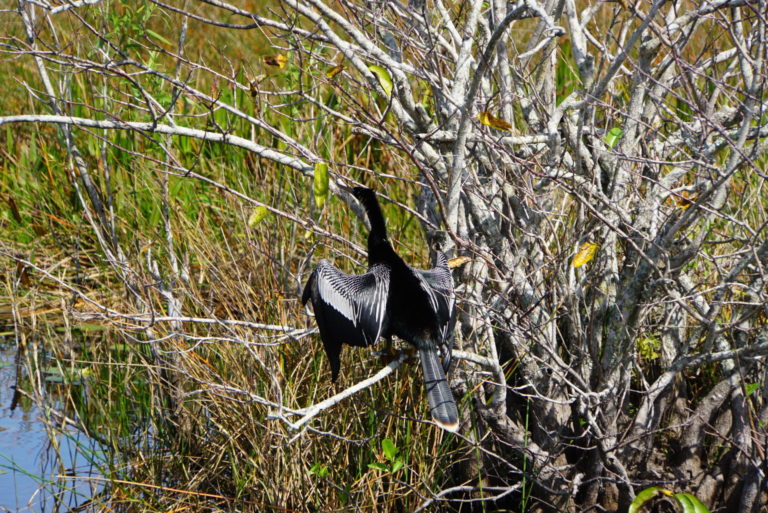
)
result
[(173, 410), (687, 502), (151, 280)]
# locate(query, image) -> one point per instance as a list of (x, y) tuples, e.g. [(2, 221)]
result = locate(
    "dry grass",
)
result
[(173, 404), (176, 405)]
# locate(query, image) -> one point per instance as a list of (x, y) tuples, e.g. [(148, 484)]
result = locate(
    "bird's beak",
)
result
[(343, 187)]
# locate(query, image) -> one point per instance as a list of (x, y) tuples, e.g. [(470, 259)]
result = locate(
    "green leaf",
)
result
[(642, 497), (397, 465), (257, 216), (72, 376), (320, 186), (690, 503), (648, 347), (384, 79), (320, 470), (613, 136), (378, 466), (685, 504), (54, 371), (344, 494), (390, 451), (751, 388)]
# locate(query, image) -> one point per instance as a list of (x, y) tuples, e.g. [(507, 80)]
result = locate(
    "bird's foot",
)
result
[(388, 353)]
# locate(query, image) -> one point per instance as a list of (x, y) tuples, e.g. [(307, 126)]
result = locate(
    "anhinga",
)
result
[(392, 298)]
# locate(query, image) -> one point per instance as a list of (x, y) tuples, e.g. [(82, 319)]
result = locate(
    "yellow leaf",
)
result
[(276, 60), (585, 254), (335, 70), (258, 215), (492, 121), (453, 263), (685, 199), (384, 79)]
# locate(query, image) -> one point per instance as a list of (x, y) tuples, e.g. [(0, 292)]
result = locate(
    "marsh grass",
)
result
[(171, 405)]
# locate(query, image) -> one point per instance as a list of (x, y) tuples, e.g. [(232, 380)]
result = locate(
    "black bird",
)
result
[(392, 298)]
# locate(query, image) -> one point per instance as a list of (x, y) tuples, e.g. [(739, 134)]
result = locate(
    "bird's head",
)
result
[(364, 195)]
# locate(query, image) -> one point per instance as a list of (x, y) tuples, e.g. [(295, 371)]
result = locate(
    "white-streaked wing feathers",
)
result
[(362, 299), (438, 283), (330, 286), (429, 290)]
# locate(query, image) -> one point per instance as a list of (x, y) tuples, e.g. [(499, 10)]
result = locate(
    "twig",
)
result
[(204, 135), (505, 490), (312, 411)]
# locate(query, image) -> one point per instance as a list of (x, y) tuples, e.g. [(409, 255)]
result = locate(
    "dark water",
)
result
[(34, 476)]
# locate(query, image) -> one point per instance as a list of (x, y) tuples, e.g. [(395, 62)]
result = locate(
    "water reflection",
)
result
[(39, 471)]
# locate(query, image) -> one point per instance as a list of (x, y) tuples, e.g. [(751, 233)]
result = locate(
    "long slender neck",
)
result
[(376, 218), (379, 248)]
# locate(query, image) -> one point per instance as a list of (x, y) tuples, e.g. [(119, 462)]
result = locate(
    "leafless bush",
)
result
[(638, 127)]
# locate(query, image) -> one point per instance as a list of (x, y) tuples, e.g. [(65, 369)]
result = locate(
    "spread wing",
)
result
[(349, 309), (438, 284)]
